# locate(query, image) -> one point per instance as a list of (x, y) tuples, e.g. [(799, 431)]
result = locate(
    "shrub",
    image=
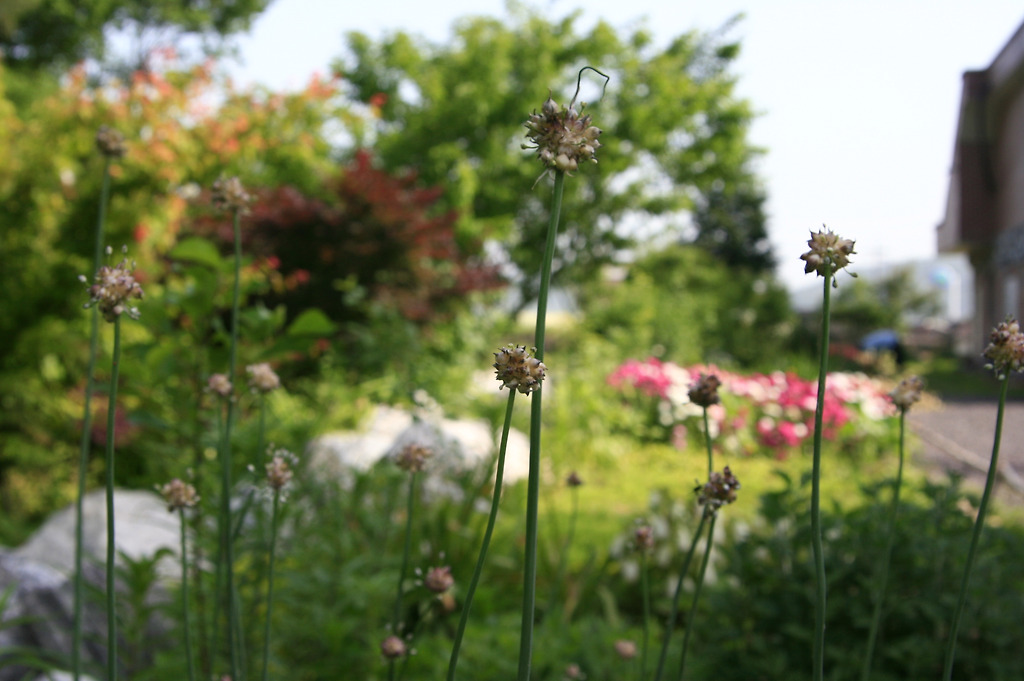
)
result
[(758, 627)]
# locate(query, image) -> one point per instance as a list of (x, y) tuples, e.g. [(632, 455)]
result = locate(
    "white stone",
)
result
[(143, 526)]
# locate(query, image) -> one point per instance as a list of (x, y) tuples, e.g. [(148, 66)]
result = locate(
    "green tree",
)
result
[(730, 223), (673, 128), (57, 33), (892, 302), (680, 305), (50, 177)]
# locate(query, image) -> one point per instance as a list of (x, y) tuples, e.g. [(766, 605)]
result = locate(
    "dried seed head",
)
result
[(574, 673), (219, 384), (829, 253), (262, 378), (114, 288), (625, 648), (704, 392), (573, 480), (393, 648), (179, 494), (518, 370), (563, 139), (1005, 351), (279, 471), (412, 458), (719, 490), (439, 579), (229, 194), (907, 392), (110, 142), (643, 538)]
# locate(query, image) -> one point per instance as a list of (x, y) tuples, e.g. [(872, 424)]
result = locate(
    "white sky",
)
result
[(857, 99)]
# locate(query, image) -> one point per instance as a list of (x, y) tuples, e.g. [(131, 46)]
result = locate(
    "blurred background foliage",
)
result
[(393, 239), (392, 208)]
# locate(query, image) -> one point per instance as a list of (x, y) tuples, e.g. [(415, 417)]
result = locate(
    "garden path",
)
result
[(956, 436)]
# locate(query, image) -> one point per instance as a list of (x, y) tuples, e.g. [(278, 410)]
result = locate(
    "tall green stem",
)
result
[(707, 552), (696, 595), (406, 550), (816, 541), (883, 578), (533, 483), (674, 610), (227, 549), (263, 424), (111, 551), (495, 501), (979, 524), (184, 598), (83, 458), (707, 441), (645, 595), (270, 583)]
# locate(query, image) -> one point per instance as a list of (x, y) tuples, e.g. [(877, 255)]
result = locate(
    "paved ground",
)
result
[(958, 436)]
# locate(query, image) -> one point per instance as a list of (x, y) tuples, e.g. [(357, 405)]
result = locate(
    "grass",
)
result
[(951, 378)]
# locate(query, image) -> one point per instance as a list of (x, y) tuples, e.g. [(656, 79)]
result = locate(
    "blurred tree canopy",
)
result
[(677, 304), (183, 129), (891, 302), (57, 33), (413, 156), (730, 223), (675, 133)]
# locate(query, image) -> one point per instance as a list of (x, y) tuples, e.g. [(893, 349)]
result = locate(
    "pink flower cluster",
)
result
[(760, 411), (652, 377)]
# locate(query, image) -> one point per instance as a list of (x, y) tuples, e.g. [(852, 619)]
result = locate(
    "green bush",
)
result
[(755, 620), (681, 304)]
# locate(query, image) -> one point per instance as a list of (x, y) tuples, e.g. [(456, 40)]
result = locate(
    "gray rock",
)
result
[(142, 527), (62, 676), (39, 614), (40, 576)]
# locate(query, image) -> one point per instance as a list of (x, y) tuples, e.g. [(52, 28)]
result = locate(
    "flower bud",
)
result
[(110, 142), (393, 648), (829, 253), (439, 579), (179, 495)]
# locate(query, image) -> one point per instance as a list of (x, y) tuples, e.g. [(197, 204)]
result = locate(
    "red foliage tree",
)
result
[(379, 239)]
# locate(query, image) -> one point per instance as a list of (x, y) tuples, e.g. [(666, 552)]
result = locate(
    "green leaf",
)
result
[(198, 250), (312, 322)]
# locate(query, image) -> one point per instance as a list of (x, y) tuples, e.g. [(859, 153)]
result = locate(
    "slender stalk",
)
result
[(406, 550), (218, 577), (496, 499), (111, 582), (645, 595), (883, 578), (83, 458), (674, 609), (707, 551), (227, 548), (696, 594), (707, 441), (184, 598), (263, 424), (819, 551), (979, 524), (533, 483), (270, 582)]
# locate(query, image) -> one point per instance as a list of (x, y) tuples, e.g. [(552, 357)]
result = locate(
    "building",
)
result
[(985, 203)]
